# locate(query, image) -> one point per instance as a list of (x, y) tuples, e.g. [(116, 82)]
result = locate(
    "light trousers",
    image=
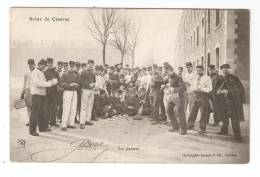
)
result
[(69, 108), (87, 101)]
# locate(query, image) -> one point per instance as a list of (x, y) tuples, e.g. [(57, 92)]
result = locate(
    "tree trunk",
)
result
[(133, 61), (104, 53), (122, 60)]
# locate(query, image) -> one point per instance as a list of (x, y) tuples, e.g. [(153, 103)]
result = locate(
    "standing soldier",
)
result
[(187, 78), (60, 92), (230, 97), (87, 81), (51, 93), (70, 83), (214, 78), (38, 91), (77, 117), (180, 71), (60, 65), (157, 81), (65, 67), (201, 85), (26, 93), (175, 103)]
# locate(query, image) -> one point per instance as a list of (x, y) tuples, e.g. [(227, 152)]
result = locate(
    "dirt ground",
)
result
[(125, 140)]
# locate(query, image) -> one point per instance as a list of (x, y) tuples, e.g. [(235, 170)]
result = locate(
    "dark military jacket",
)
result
[(236, 96)]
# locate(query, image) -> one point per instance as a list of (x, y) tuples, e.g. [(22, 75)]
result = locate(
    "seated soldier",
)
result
[(131, 103), (105, 105), (117, 106)]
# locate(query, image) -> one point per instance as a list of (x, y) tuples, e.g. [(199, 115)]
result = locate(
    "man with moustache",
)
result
[(38, 91), (230, 95)]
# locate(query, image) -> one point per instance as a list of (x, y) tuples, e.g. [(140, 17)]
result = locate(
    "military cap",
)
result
[(65, 63), (83, 64), (71, 62), (188, 64), (200, 66), (180, 67), (225, 66), (77, 63), (30, 61), (42, 62), (49, 60), (59, 63), (211, 66), (90, 61)]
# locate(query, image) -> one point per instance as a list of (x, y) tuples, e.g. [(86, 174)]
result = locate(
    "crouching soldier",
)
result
[(105, 105), (70, 83), (131, 104), (176, 102), (230, 96)]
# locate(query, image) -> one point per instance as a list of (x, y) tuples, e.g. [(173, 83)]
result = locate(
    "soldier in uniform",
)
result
[(230, 96), (70, 83), (65, 67), (26, 93), (60, 92), (77, 117), (51, 93), (176, 101), (214, 78)]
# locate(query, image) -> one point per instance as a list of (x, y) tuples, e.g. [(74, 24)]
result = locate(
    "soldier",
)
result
[(59, 66), (83, 67), (51, 93), (230, 96), (87, 80), (180, 71), (187, 79), (38, 91), (77, 117), (70, 83), (65, 67), (26, 93), (201, 85), (175, 103), (157, 81), (60, 92), (214, 78)]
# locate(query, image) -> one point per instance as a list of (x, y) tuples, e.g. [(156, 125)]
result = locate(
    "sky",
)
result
[(71, 40)]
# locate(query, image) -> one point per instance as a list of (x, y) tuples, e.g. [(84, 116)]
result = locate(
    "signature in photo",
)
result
[(79, 144)]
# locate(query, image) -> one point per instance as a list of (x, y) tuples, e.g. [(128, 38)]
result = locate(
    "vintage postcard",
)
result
[(115, 85)]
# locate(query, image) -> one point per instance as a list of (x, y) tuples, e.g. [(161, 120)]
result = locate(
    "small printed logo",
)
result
[(21, 142)]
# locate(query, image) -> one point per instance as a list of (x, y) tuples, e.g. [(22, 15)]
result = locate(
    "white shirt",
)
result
[(203, 83), (38, 83), (187, 78)]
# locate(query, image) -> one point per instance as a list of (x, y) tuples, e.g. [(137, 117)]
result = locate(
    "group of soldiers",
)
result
[(82, 92)]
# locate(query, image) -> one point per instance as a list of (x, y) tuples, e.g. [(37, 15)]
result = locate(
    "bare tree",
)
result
[(121, 35), (132, 41), (101, 23)]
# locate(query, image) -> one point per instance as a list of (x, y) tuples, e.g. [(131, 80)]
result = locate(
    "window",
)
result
[(208, 59), (194, 37), (203, 21), (217, 17), (191, 42), (217, 57), (198, 35), (202, 61), (209, 21)]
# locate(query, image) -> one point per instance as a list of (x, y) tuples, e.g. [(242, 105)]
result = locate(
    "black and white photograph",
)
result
[(129, 85)]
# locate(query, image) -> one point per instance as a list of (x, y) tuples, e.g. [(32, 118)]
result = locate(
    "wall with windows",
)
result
[(215, 36)]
